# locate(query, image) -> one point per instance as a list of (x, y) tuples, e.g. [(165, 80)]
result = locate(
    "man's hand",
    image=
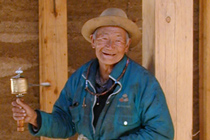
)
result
[(23, 111)]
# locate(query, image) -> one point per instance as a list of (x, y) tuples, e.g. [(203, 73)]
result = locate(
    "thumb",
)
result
[(30, 113), (21, 103)]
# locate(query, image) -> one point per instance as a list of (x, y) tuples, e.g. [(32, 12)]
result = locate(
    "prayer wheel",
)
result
[(19, 87)]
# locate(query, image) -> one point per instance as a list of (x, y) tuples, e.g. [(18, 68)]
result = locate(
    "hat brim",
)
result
[(91, 25)]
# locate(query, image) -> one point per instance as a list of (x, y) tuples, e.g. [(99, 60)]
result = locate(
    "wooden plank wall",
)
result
[(52, 50), (148, 38), (204, 69), (174, 61), (173, 52)]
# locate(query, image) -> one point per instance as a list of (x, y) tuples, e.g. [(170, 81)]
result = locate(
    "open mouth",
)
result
[(108, 54)]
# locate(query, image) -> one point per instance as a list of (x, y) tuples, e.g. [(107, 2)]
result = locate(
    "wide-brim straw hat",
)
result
[(112, 17)]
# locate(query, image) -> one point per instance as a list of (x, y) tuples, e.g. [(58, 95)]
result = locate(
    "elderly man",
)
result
[(110, 97)]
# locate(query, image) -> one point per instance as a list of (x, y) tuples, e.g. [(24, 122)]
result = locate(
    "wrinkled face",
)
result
[(110, 44)]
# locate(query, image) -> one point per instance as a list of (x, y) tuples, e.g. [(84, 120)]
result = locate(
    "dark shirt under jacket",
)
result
[(101, 100)]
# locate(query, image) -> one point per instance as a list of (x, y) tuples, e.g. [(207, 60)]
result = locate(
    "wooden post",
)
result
[(52, 50), (204, 69), (148, 38), (174, 61)]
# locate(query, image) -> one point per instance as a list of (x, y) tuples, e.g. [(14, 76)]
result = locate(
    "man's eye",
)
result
[(104, 38), (119, 41)]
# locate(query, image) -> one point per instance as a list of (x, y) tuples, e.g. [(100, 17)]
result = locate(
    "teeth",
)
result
[(108, 54)]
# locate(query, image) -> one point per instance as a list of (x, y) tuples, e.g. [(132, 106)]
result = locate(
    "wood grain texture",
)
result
[(148, 31), (204, 67), (52, 50), (174, 61)]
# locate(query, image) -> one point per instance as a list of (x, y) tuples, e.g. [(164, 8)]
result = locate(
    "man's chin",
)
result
[(109, 62)]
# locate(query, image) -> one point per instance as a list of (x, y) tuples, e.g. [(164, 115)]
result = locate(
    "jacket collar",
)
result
[(116, 72), (118, 68)]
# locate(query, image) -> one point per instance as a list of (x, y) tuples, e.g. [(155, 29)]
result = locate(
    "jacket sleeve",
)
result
[(57, 124), (154, 114)]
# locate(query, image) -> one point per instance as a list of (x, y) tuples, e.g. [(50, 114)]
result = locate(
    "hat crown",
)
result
[(114, 17), (114, 12)]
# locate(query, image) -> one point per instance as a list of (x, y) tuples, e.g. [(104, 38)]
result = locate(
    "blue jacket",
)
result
[(136, 110)]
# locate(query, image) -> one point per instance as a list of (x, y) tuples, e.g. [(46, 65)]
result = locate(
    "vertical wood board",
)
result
[(174, 61), (148, 38), (165, 54), (52, 51), (184, 44), (204, 69)]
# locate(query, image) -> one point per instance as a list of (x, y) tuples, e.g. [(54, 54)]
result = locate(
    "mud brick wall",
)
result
[(18, 48)]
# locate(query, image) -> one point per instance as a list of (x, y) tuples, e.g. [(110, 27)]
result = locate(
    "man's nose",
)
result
[(110, 43)]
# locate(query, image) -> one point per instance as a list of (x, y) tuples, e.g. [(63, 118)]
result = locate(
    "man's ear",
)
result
[(92, 41), (128, 45)]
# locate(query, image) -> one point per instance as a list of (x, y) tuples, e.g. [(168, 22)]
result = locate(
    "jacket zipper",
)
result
[(92, 106), (107, 101), (86, 82)]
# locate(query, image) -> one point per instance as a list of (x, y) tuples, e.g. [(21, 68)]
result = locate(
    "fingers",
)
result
[(18, 117), (18, 112), (23, 105), (14, 104), (23, 111)]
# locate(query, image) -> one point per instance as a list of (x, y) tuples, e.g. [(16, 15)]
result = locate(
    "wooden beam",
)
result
[(52, 50), (204, 69), (148, 38), (174, 61)]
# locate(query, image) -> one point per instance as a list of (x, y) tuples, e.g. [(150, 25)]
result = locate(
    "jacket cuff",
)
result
[(32, 129)]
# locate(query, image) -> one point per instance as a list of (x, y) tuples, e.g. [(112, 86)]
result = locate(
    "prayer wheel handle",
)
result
[(20, 125)]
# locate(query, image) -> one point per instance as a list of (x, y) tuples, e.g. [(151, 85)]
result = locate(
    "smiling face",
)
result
[(110, 44)]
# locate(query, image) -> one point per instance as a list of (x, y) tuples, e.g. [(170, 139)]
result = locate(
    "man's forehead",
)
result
[(110, 29)]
